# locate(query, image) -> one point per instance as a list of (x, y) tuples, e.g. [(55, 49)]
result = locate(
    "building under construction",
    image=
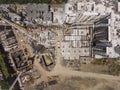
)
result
[(101, 36), (87, 37), (20, 60), (7, 38)]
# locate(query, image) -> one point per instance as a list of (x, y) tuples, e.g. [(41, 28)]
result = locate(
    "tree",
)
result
[(3, 66)]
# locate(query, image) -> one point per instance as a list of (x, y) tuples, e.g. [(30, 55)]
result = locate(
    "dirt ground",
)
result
[(94, 68), (78, 83)]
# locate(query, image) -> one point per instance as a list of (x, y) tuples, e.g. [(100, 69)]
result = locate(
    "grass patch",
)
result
[(113, 65), (3, 66), (6, 70)]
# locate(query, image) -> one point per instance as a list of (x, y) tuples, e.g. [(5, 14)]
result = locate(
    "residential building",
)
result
[(101, 36)]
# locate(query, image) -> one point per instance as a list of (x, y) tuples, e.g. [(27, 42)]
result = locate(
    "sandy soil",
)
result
[(77, 83)]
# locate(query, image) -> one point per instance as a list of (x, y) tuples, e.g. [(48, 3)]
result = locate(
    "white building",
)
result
[(118, 6)]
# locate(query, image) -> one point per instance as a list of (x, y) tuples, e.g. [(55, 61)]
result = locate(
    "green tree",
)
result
[(3, 66)]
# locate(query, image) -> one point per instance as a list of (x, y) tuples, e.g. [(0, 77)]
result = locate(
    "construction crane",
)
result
[(74, 26), (18, 78), (88, 25), (20, 28), (15, 81)]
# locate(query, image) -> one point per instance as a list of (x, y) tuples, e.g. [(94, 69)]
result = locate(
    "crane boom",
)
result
[(20, 28), (15, 81)]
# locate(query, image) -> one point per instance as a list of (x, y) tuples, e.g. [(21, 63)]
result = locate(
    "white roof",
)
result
[(115, 40), (118, 6), (90, 13)]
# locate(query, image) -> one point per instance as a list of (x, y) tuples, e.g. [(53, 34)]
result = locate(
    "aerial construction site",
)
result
[(60, 45)]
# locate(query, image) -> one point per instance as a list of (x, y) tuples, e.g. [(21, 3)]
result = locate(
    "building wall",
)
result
[(118, 6)]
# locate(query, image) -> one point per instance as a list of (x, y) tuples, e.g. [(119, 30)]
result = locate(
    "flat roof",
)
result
[(113, 38)]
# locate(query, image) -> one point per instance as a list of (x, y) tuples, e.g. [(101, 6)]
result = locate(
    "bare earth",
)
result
[(74, 80), (77, 83)]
